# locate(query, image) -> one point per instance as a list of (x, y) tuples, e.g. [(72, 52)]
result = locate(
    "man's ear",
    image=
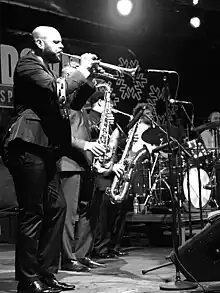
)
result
[(100, 102), (39, 43)]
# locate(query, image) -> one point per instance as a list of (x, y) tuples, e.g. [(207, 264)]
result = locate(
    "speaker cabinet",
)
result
[(199, 257)]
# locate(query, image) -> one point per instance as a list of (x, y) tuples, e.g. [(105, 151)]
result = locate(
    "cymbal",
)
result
[(209, 125), (155, 135)]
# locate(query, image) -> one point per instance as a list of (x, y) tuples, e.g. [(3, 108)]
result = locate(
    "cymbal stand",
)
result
[(212, 184), (172, 142), (178, 284), (187, 159), (152, 187)]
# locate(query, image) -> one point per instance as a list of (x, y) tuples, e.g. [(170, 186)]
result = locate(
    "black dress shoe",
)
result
[(86, 261), (36, 287), (74, 266), (52, 282), (119, 252)]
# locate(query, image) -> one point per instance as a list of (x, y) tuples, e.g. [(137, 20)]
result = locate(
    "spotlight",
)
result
[(195, 2), (124, 7), (195, 22)]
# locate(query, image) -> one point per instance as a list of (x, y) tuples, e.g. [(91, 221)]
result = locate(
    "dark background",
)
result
[(159, 36)]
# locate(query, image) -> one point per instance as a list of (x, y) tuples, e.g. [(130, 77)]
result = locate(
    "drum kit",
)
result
[(193, 175)]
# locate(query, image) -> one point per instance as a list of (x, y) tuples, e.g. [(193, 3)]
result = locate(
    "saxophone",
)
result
[(120, 185), (103, 163)]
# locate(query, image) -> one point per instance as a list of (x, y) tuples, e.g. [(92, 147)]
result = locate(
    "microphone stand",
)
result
[(187, 174), (177, 284), (192, 127)]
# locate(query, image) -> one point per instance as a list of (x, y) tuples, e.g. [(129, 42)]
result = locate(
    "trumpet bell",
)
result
[(131, 71)]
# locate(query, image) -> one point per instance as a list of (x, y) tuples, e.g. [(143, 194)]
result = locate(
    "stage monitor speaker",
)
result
[(200, 255)]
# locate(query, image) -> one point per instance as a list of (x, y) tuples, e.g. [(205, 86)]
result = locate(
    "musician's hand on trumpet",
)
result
[(89, 62)]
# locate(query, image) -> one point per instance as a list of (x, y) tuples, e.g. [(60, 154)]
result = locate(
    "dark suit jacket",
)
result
[(76, 159), (83, 128), (37, 117)]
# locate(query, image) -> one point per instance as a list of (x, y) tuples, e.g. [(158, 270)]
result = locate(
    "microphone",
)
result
[(136, 118), (161, 71), (172, 101)]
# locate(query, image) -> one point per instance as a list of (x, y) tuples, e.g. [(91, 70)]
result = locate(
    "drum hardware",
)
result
[(156, 159), (209, 186), (199, 151), (154, 135), (212, 181), (141, 179), (209, 125), (212, 184), (180, 177), (176, 218), (156, 193)]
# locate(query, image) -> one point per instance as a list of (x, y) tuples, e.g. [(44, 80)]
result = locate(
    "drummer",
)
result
[(148, 133), (211, 135), (140, 184), (145, 123)]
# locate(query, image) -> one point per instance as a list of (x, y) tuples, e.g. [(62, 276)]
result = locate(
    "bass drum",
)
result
[(140, 181), (181, 179), (192, 180)]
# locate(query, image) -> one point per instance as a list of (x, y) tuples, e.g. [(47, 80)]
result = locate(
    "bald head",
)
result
[(44, 32), (48, 43)]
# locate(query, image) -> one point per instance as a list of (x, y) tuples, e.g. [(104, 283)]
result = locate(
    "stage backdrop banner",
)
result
[(144, 87)]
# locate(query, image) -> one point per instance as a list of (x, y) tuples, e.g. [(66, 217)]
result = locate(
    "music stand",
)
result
[(178, 284)]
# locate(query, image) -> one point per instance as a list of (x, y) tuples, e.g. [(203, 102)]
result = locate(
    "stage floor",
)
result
[(120, 275)]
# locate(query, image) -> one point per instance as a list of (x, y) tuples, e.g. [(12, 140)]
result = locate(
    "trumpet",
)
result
[(131, 72)]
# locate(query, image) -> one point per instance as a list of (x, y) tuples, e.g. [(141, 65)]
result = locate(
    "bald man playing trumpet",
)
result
[(37, 133)]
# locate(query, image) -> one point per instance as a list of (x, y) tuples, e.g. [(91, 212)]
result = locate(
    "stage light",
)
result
[(195, 22), (195, 2), (124, 7)]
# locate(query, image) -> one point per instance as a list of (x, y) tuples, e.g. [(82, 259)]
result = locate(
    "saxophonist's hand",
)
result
[(96, 148), (118, 169)]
